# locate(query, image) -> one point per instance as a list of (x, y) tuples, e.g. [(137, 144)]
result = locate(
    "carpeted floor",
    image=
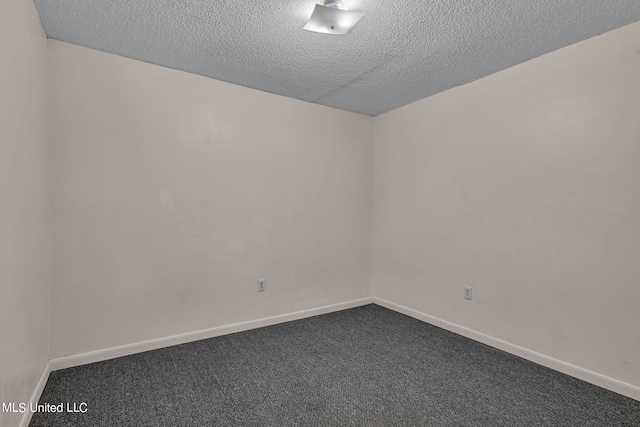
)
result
[(367, 366)]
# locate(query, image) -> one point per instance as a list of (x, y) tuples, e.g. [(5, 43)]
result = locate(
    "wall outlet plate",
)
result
[(261, 285), (468, 292)]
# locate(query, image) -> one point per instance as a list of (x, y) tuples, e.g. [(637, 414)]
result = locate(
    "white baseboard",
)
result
[(558, 365), (125, 350), (35, 397)]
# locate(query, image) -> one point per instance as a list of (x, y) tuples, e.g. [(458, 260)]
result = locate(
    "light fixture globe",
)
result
[(334, 3), (332, 18)]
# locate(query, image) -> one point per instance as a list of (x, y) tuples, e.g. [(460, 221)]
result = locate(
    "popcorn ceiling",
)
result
[(400, 52)]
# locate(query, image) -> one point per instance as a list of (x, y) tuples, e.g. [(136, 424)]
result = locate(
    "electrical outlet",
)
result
[(467, 292), (261, 285)]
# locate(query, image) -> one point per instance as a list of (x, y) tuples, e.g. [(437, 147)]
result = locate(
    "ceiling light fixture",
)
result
[(332, 18)]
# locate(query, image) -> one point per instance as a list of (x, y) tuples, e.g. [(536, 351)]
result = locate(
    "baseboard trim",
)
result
[(558, 365), (126, 350), (35, 397)]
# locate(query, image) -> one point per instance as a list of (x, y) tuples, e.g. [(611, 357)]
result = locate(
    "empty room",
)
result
[(319, 213)]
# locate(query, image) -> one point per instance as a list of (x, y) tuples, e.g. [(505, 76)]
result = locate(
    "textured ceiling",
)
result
[(400, 52)]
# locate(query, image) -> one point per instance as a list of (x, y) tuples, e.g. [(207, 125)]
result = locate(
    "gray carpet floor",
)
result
[(366, 366)]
